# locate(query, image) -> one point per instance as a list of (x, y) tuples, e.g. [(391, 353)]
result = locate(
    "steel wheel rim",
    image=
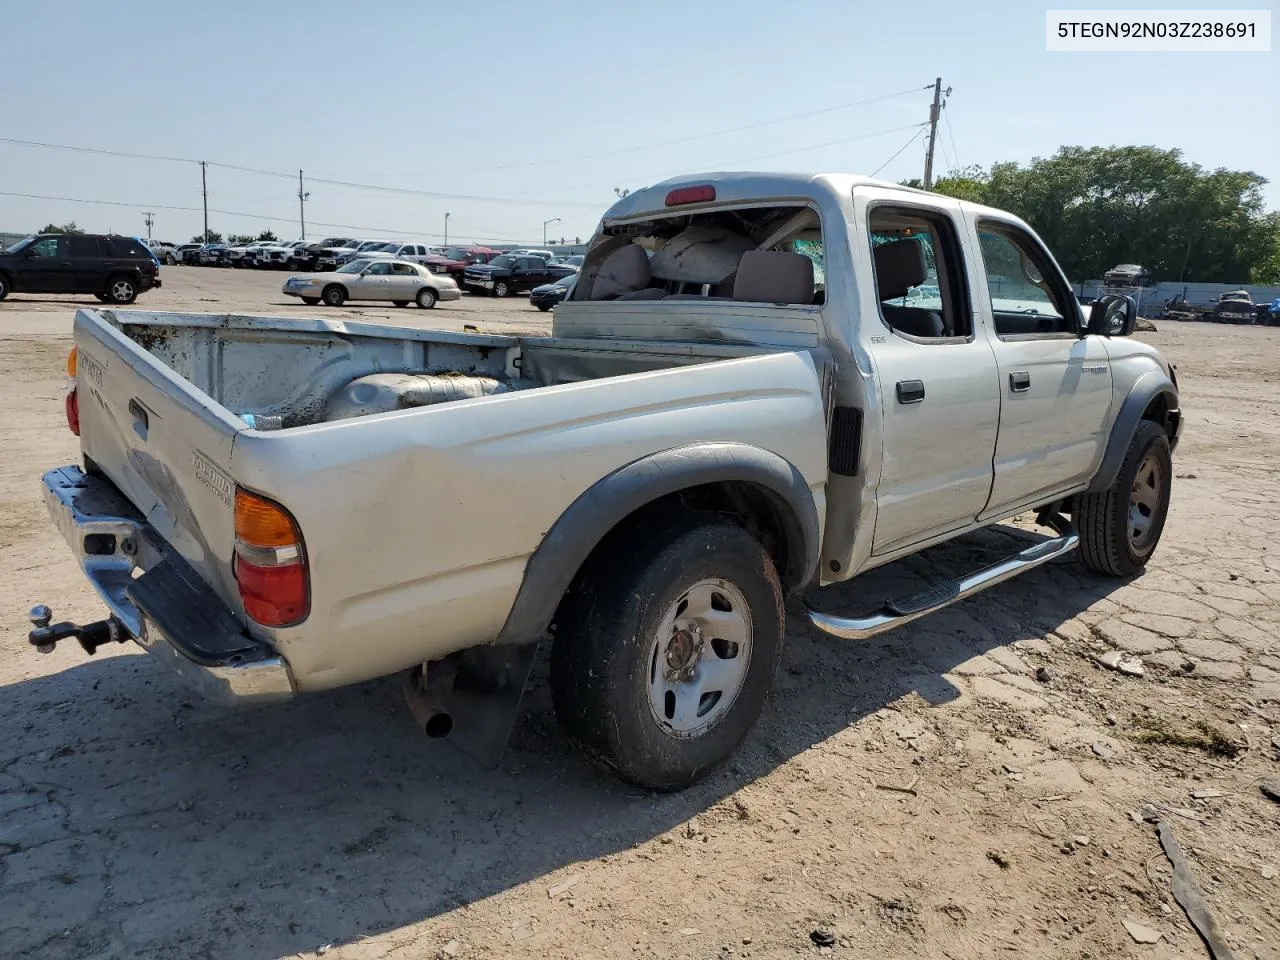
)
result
[(500, 289), (122, 289), (426, 298), (699, 659), (1144, 501)]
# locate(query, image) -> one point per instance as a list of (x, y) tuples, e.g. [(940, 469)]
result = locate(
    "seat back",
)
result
[(900, 265), (623, 271), (773, 276)]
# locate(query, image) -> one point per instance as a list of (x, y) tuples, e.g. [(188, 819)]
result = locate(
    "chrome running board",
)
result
[(895, 613)]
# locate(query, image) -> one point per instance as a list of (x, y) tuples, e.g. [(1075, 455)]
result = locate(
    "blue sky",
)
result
[(472, 100)]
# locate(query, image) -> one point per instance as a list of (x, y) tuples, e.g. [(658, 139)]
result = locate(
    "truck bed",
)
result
[(418, 523)]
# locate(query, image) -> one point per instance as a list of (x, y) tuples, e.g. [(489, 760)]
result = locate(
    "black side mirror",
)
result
[(1112, 316)]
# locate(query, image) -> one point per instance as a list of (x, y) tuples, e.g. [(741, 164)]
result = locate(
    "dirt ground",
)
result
[(969, 786)]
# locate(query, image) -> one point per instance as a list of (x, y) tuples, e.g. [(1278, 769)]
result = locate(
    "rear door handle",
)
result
[(910, 391), (1019, 381)]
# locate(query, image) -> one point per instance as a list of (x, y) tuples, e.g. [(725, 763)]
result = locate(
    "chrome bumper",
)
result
[(111, 540)]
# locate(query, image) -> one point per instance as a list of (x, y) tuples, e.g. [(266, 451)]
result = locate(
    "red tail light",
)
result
[(270, 563), (682, 195), (73, 411)]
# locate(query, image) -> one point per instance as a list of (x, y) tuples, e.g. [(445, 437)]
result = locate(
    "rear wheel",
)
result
[(122, 290), (426, 298), (664, 656), (1120, 527), (310, 301), (500, 289), (4, 286), (544, 307), (334, 295)]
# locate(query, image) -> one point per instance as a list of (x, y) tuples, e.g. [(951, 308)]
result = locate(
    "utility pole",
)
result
[(544, 228), (446, 228), (148, 218), (204, 190), (303, 197), (934, 110)]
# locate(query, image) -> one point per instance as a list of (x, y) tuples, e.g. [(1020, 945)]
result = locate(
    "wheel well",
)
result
[(756, 509), (1158, 411)]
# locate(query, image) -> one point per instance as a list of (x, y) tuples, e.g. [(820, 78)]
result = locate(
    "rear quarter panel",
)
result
[(418, 524)]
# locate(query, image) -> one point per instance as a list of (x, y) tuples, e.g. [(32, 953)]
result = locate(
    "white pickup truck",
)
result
[(760, 385)]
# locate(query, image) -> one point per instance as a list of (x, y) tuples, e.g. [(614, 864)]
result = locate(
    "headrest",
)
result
[(899, 267), (772, 276)]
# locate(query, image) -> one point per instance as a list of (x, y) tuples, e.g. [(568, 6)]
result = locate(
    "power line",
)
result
[(946, 117), (254, 216), (407, 191), (915, 136), (701, 136)]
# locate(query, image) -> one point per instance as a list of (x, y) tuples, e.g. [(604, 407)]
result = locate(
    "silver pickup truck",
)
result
[(761, 384)]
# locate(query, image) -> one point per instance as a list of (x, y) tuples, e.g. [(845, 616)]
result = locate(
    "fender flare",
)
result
[(610, 500), (1145, 389)]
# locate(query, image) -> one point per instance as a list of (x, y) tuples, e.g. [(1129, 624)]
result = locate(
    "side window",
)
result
[(403, 270), (920, 280), (1025, 299), (83, 246), (123, 247), (49, 247), (379, 270)]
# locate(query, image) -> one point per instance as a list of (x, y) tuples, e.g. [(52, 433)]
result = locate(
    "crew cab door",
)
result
[(529, 272), (1055, 385), (940, 400), (45, 267)]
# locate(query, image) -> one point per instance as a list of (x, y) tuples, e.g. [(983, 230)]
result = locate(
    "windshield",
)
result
[(458, 253), (24, 242), (355, 266), (503, 261), (371, 245)]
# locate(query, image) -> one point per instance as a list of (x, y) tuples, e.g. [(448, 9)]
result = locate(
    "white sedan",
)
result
[(400, 281)]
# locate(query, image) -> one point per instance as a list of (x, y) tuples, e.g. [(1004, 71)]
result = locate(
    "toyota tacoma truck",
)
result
[(277, 506)]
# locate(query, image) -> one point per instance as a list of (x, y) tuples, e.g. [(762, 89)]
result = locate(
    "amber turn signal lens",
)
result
[(262, 523), (72, 357)]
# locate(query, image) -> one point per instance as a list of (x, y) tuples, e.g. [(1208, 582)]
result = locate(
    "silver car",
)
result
[(399, 281)]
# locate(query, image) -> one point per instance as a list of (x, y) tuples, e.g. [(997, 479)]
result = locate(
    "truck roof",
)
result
[(746, 186)]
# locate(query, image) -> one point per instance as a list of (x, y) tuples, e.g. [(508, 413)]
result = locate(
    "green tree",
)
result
[(240, 238), (213, 236), (269, 236), (70, 227), (1100, 206)]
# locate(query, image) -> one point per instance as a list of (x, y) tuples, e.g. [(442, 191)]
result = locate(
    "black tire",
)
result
[(102, 298), (544, 307), (604, 654), (310, 301), (426, 298), (334, 295), (121, 290), (401, 303), (501, 288), (4, 286), (1111, 541)]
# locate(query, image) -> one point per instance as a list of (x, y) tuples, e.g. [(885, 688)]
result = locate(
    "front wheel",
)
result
[(544, 307), (500, 289), (426, 298), (334, 295), (1120, 527), (121, 290), (664, 655), (4, 286)]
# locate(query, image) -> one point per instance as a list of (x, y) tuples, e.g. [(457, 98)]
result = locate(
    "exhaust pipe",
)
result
[(427, 706)]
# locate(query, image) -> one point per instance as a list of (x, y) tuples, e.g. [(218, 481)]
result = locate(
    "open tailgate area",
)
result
[(163, 443)]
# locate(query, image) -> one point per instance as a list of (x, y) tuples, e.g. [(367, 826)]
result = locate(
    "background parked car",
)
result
[(547, 295), (511, 274), (114, 269), (400, 281), (182, 250), (573, 260)]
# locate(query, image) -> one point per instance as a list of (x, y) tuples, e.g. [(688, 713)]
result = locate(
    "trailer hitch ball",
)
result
[(40, 617)]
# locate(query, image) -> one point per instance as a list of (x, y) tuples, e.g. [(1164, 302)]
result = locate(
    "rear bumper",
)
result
[(168, 610), (448, 293)]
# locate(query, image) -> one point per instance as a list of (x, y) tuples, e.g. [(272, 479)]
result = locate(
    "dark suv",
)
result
[(113, 269)]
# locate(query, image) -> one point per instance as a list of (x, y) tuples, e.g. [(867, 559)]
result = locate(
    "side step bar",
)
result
[(895, 613)]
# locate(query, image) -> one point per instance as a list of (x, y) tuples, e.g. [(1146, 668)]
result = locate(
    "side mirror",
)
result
[(1113, 316)]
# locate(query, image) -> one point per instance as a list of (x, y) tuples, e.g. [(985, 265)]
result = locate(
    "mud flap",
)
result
[(485, 699)]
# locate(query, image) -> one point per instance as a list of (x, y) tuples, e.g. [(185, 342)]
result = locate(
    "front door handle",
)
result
[(1019, 381), (910, 391)]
